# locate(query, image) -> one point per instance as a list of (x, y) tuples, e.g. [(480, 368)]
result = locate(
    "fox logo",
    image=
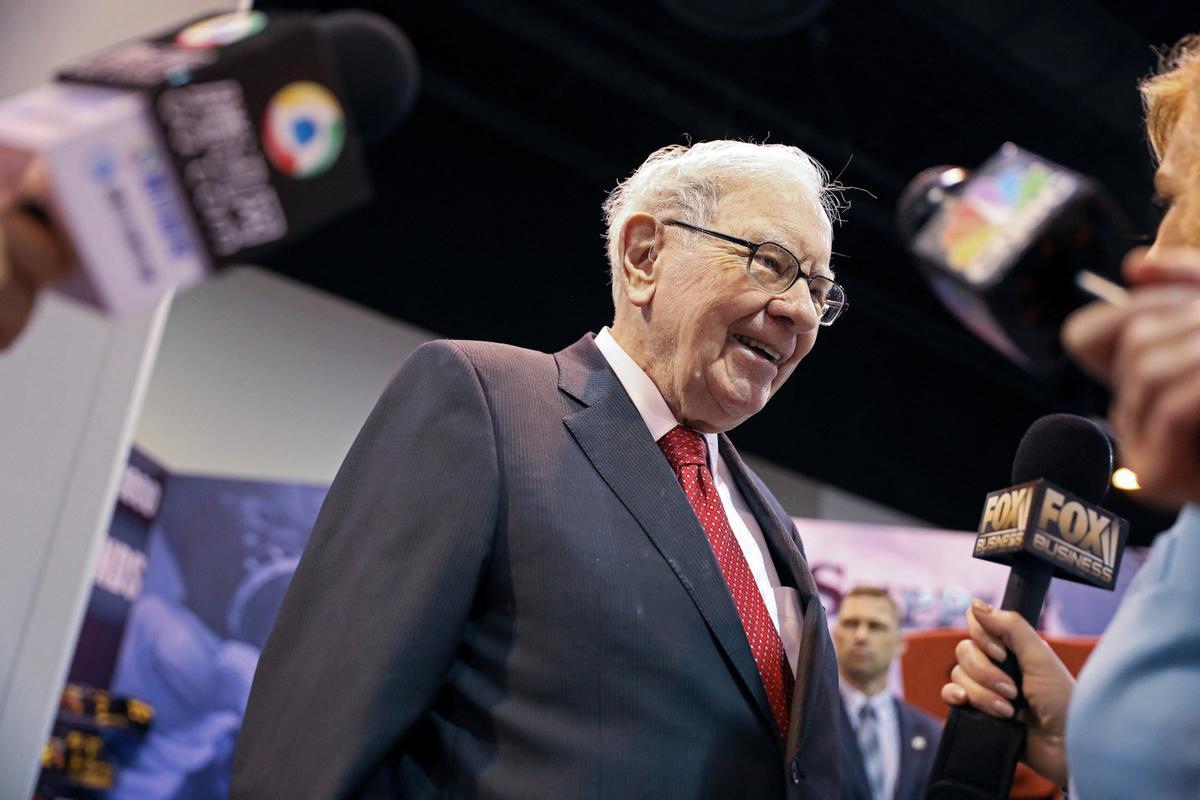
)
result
[(1087, 528), (1007, 510)]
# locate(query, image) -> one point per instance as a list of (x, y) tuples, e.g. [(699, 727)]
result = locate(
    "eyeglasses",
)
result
[(774, 269)]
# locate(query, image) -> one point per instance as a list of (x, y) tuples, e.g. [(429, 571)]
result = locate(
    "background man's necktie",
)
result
[(687, 453), (868, 743)]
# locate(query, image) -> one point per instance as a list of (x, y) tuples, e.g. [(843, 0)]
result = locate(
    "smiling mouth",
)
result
[(762, 349)]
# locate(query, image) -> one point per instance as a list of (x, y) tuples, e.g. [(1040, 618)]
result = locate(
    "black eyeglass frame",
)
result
[(753, 247)]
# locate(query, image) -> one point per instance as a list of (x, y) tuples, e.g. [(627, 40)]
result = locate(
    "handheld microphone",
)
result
[(210, 144), (1049, 524), (1012, 248)]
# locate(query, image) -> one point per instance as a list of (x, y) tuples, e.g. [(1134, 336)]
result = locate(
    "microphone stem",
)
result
[(1026, 589), (1025, 594)]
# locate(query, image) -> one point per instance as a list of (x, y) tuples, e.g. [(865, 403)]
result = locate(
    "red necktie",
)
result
[(687, 453)]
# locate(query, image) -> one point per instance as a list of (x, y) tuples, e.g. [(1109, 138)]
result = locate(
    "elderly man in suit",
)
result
[(888, 746), (552, 576)]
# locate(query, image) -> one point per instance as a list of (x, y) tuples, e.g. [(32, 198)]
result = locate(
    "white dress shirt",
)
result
[(782, 602), (883, 703)]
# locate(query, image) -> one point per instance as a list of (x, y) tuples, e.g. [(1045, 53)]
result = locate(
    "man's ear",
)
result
[(641, 246)]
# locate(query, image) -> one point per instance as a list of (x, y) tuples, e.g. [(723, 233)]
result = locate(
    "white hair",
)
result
[(690, 182)]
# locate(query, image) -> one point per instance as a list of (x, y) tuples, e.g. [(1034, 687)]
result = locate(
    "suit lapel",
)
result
[(784, 552), (613, 436), (814, 635), (857, 783)]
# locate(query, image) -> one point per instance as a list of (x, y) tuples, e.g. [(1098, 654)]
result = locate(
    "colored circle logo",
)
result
[(987, 205), (221, 30), (303, 129)]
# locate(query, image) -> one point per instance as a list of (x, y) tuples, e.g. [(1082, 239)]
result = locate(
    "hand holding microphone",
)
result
[(1048, 524), (1046, 684)]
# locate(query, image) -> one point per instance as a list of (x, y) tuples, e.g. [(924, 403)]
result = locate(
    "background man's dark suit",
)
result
[(535, 610), (920, 734)]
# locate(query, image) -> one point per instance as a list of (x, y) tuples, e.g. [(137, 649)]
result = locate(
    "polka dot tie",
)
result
[(687, 453)]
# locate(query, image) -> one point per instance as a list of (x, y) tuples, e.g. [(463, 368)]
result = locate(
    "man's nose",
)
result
[(795, 307)]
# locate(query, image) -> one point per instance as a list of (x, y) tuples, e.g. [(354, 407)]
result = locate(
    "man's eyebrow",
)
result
[(825, 272), (813, 271)]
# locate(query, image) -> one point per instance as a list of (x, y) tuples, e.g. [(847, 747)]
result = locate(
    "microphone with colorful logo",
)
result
[(1048, 524), (161, 159), (1012, 248)]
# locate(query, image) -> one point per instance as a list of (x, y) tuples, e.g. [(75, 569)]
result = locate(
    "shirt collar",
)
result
[(855, 699), (645, 395)]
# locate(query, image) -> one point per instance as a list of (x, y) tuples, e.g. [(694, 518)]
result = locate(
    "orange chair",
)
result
[(925, 668)]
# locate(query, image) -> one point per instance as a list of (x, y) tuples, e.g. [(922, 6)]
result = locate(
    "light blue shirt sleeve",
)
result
[(1133, 728)]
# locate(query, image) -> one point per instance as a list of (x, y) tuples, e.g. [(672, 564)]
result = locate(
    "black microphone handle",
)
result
[(979, 753), (1026, 594)]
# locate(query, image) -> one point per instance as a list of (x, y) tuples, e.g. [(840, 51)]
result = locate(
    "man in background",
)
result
[(888, 746)]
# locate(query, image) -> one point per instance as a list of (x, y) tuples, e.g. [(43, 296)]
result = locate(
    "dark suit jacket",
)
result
[(920, 734), (507, 595)]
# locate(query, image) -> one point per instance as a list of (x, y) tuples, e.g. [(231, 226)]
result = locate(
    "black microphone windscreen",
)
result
[(378, 67), (1070, 451)]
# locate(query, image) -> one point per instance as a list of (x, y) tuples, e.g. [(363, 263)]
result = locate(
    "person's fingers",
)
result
[(1163, 450), (953, 694), (989, 644), (1155, 352), (1171, 277), (34, 181), (34, 250), (16, 306), (1092, 334), (8, 197), (31, 257), (983, 670), (1169, 265), (32, 253), (1015, 633), (980, 696), (6, 269)]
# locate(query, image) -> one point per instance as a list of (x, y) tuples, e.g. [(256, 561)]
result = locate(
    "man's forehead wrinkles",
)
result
[(763, 231)]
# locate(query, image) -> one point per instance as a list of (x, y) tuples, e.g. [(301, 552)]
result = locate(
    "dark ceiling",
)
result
[(486, 222)]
